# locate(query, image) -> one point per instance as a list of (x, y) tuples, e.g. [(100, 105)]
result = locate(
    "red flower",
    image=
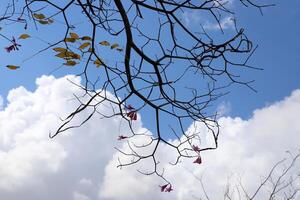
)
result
[(122, 137), (196, 148), (198, 160)]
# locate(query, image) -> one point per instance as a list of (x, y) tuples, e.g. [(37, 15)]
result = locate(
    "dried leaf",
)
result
[(114, 46), (75, 56), (12, 67), (104, 43), (74, 35), (86, 38), (60, 49), (84, 45), (24, 36), (70, 40), (63, 54), (70, 63), (39, 16), (44, 22), (98, 63)]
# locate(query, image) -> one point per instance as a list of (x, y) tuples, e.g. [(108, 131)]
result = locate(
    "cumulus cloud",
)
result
[(195, 18), (81, 164), (248, 149), (1, 102), (71, 165)]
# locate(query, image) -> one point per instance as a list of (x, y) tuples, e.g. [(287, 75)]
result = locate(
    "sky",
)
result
[(257, 129)]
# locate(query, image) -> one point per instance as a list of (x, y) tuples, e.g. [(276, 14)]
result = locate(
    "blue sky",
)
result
[(276, 33)]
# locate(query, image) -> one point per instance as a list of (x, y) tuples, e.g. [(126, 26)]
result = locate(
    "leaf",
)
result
[(44, 22), (119, 49), (39, 16), (68, 55), (114, 46), (63, 54), (60, 49), (75, 56), (50, 21), (24, 36), (86, 38), (74, 35), (98, 63), (70, 63), (90, 50), (84, 45), (12, 67), (70, 40), (104, 43)]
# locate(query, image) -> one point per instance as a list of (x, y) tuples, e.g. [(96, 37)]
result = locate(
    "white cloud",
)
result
[(81, 164), (71, 165), (248, 149), (1, 103), (225, 23)]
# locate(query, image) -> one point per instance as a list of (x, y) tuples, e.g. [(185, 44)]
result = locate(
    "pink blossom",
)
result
[(198, 160), (122, 137), (196, 148), (169, 189), (163, 187)]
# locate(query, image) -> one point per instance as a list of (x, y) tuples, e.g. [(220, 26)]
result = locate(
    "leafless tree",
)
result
[(162, 65), (281, 182)]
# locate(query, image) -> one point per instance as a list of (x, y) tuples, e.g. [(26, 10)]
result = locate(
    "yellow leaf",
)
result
[(39, 16), (84, 45), (104, 43), (70, 63), (70, 40), (12, 67), (114, 46), (74, 35), (90, 50), (75, 56), (86, 38), (98, 63), (60, 49), (63, 54), (24, 36)]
